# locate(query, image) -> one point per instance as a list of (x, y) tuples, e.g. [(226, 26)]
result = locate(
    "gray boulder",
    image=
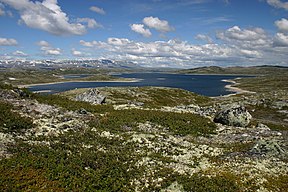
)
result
[(92, 96), (233, 115), (268, 148)]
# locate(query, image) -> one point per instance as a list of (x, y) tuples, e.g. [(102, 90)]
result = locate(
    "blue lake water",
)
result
[(208, 85)]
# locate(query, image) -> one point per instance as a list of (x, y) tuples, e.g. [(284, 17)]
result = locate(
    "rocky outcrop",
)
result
[(92, 96), (268, 148), (233, 115)]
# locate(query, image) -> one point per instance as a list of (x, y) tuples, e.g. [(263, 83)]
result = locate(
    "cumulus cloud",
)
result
[(282, 25), (47, 16), (155, 23), (47, 49), (139, 28), (7, 42), (19, 54), (95, 44), (278, 4), (98, 10), (91, 23), (205, 38), (234, 46), (54, 52), (245, 38), (250, 53), (43, 44), (237, 33), (280, 40), (76, 53), (172, 52), (2, 12)]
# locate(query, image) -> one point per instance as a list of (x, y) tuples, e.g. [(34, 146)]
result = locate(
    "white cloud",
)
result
[(170, 53), (2, 12), (87, 44), (250, 53), (139, 28), (280, 40), (54, 52), (7, 42), (118, 41), (237, 33), (205, 38), (43, 44), (95, 44), (155, 23), (47, 16), (278, 4), (98, 10), (76, 53), (47, 49), (19, 53), (91, 23), (235, 46), (282, 25), (253, 38)]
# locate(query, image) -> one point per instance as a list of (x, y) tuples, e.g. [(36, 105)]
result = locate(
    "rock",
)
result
[(280, 104), (82, 111), (268, 148), (92, 96), (233, 115), (21, 93), (262, 126)]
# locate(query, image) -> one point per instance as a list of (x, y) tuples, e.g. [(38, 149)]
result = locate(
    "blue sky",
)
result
[(154, 33)]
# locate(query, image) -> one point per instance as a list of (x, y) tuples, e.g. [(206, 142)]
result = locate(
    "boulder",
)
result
[(233, 115), (92, 96), (268, 148)]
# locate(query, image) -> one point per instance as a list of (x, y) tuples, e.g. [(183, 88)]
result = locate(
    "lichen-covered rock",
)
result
[(233, 115), (92, 96), (268, 148)]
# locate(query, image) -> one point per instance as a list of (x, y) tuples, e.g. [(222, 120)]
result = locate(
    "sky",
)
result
[(151, 33)]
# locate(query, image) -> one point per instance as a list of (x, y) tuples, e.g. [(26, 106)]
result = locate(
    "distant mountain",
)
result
[(87, 63), (254, 70)]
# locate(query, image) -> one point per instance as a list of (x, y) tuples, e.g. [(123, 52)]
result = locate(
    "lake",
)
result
[(208, 85)]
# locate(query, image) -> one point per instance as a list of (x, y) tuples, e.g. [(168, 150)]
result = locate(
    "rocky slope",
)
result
[(143, 139)]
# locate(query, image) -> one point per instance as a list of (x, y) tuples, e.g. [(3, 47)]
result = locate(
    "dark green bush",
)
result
[(198, 183), (11, 121), (71, 105), (177, 123)]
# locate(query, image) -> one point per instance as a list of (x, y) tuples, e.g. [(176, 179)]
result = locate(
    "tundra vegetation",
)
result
[(144, 139)]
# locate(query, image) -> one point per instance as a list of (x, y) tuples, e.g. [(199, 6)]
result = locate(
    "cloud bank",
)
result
[(48, 16), (233, 46)]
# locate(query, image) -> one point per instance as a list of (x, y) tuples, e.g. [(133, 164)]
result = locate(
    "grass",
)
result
[(265, 84)]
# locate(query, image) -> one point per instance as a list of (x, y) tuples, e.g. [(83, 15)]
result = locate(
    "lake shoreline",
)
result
[(58, 82), (232, 87)]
